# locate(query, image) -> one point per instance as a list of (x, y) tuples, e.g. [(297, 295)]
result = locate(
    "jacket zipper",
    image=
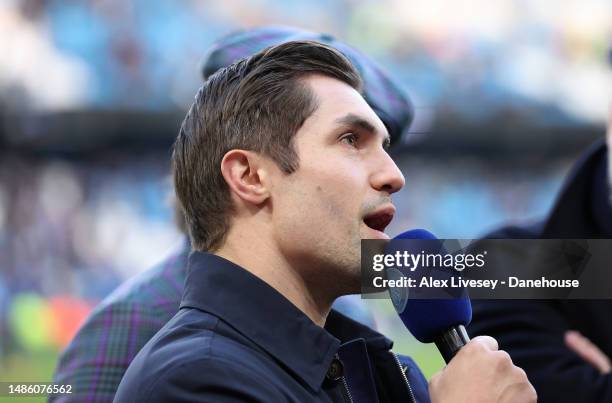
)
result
[(346, 389), (399, 365)]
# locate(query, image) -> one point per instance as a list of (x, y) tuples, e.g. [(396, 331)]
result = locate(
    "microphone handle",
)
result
[(451, 341)]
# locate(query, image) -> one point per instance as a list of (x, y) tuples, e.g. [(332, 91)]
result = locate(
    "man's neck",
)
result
[(269, 265)]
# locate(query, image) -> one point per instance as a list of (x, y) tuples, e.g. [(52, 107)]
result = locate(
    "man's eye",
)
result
[(351, 139)]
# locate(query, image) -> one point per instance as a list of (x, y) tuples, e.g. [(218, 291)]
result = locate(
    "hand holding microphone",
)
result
[(477, 370), (480, 373)]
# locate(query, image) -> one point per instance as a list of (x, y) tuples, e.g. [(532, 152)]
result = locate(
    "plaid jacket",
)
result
[(98, 356)]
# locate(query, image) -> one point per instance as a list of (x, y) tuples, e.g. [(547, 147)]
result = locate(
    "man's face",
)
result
[(341, 191)]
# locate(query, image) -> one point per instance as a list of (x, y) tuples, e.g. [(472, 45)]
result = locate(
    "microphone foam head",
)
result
[(428, 318)]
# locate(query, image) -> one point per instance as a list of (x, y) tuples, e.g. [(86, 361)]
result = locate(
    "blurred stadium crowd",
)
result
[(73, 225), (62, 54)]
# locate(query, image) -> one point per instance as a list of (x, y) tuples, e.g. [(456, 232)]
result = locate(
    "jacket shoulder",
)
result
[(189, 360), (210, 379)]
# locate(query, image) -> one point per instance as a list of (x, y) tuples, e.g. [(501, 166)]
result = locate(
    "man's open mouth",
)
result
[(379, 220)]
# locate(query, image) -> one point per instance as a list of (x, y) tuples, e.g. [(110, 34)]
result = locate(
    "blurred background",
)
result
[(507, 94)]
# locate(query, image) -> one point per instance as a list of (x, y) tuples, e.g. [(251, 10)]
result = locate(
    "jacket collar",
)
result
[(263, 315), (582, 208)]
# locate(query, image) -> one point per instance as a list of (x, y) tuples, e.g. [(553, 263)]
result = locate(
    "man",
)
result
[(98, 356), (281, 168), (563, 345)]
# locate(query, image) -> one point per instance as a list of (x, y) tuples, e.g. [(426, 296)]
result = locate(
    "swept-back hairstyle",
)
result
[(256, 104)]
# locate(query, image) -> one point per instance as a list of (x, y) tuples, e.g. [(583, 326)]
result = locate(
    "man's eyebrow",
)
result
[(351, 119)]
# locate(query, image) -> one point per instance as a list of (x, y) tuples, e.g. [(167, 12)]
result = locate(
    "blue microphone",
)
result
[(431, 319)]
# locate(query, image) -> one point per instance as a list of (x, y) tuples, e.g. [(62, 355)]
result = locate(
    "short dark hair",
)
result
[(257, 104)]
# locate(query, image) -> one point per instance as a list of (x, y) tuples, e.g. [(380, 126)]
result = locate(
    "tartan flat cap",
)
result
[(384, 96)]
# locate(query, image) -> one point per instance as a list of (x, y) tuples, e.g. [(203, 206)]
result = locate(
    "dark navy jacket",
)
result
[(533, 331), (236, 339)]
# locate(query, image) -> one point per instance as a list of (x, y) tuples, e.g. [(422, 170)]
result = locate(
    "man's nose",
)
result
[(386, 176)]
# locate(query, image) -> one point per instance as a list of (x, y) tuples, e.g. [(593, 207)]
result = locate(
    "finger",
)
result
[(489, 342), (574, 341), (587, 351), (597, 357)]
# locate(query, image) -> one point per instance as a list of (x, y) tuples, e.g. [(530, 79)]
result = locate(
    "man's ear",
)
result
[(242, 170)]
